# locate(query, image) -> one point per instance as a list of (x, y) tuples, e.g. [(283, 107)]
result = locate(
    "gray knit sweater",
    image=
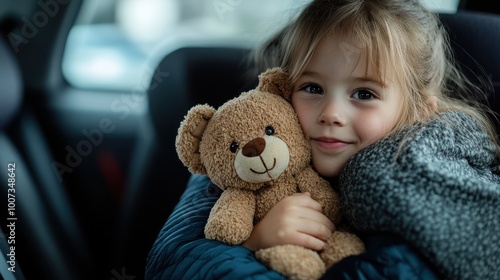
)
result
[(439, 188)]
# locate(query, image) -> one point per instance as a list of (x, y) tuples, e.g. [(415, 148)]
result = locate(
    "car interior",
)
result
[(89, 175)]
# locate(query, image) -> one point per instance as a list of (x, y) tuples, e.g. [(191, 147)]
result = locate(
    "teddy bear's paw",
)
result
[(295, 262), (233, 234), (339, 245)]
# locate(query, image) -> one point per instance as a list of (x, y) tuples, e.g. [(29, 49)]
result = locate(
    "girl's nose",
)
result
[(332, 114)]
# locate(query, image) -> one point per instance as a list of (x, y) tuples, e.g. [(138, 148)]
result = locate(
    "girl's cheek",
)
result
[(372, 130), (304, 115)]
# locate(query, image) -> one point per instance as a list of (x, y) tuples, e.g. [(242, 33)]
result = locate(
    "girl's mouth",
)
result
[(331, 144)]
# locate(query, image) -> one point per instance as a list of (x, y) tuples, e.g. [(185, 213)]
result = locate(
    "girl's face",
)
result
[(341, 107)]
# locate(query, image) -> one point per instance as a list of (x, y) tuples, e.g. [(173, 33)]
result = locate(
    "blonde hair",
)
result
[(402, 35)]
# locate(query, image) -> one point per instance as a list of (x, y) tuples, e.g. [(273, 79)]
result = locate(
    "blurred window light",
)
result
[(114, 44), (443, 6)]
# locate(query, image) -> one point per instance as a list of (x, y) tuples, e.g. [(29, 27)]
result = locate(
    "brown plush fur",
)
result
[(253, 148)]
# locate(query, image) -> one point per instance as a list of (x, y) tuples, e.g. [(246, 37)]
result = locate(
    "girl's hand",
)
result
[(297, 219)]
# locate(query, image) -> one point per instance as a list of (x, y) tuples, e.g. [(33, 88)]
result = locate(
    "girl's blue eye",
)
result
[(312, 88), (363, 94)]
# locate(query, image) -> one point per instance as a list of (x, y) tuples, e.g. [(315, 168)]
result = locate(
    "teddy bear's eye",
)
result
[(234, 147), (269, 130)]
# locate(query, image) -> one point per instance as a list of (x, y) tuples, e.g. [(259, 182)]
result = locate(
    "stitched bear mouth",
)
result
[(264, 164)]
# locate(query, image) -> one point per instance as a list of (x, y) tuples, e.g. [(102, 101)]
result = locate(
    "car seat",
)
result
[(48, 239), (475, 40), (213, 75)]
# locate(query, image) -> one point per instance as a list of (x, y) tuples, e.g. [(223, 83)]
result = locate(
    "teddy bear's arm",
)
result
[(231, 218), (321, 190)]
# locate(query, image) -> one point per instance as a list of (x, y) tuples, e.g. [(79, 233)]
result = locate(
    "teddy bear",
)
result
[(253, 148)]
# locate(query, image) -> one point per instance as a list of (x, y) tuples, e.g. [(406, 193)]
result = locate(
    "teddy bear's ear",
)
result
[(187, 142), (276, 81)]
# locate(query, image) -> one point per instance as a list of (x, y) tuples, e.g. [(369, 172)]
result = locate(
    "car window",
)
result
[(115, 45)]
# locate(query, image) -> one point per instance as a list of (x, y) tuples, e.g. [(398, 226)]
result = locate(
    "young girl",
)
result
[(377, 96)]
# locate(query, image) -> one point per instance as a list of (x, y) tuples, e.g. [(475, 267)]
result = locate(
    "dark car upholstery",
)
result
[(475, 39), (46, 236)]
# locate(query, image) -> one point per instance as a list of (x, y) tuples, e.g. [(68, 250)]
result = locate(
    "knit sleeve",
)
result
[(436, 185)]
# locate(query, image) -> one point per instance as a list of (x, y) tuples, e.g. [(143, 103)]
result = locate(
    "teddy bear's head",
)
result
[(249, 141)]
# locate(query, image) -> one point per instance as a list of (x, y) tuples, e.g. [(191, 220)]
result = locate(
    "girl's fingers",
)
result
[(297, 220), (309, 223), (313, 228), (308, 241), (308, 209), (317, 217), (305, 200)]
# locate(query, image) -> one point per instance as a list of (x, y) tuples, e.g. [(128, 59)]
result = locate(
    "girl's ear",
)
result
[(276, 81)]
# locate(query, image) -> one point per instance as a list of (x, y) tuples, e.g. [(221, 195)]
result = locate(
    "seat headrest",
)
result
[(475, 39), (11, 89), (196, 75)]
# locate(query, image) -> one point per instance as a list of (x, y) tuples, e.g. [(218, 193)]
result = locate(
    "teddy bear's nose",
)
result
[(254, 148)]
